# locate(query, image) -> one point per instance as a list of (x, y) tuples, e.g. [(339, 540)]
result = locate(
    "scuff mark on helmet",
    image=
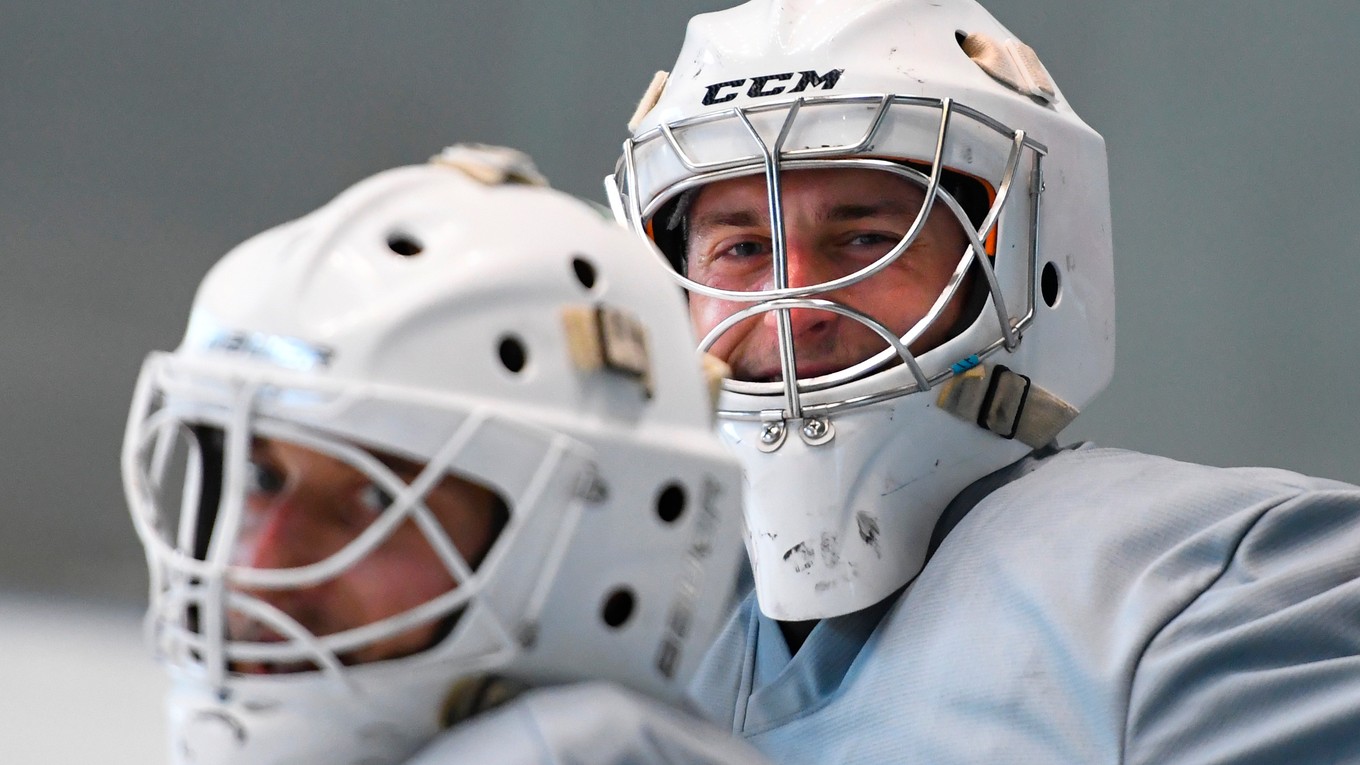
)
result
[(899, 487), (868, 530), (803, 559), (831, 550)]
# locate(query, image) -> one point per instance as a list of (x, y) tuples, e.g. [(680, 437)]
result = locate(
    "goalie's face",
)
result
[(302, 506), (836, 222)]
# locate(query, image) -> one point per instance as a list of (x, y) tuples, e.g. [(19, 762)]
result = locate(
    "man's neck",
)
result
[(796, 633)]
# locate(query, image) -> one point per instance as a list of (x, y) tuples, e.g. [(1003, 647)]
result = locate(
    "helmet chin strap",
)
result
[(1006, 403), (476, 694)]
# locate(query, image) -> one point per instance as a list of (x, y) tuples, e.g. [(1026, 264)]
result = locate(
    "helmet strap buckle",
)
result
[(1006, 403)]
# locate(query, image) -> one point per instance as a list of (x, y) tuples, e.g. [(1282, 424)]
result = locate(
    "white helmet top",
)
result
[(459, 316), (939, 93)]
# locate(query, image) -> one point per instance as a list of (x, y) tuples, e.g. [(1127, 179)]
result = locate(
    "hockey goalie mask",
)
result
[(439, 440), (895, 231)]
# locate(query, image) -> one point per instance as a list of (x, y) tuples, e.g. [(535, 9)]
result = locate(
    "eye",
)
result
[(736, 260), (262, 478), (873, 239), (744, 249), (732, 253), (375, 498)]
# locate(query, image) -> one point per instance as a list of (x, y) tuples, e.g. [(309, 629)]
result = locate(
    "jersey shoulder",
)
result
[(1205, 605)]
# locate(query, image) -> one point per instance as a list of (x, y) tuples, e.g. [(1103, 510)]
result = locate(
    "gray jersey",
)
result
[(586, 724), (1101, 606)]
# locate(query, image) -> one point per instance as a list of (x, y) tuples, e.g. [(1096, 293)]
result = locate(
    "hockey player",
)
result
[(896, 232), (440, 440)]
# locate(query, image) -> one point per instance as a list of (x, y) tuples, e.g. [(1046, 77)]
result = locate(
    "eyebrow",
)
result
[(848, 212), (745, 218), (731, 218)]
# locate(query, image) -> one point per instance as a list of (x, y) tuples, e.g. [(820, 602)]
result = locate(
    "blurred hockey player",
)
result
[(439, 441), (896, 233)]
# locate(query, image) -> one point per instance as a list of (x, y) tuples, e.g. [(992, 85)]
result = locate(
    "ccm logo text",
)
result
[(770, 85)]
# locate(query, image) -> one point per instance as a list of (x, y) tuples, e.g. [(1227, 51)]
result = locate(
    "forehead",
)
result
[(808, 189), (306, 460)]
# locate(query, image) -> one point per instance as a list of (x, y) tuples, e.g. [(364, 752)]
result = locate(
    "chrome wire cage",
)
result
[(894, 128)]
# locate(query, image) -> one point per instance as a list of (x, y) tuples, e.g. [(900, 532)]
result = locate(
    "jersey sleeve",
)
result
[(1264, 665)]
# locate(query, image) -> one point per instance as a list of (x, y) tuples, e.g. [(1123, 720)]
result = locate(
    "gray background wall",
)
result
[(140, 140)]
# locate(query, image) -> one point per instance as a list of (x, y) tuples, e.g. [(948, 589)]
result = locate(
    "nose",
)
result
[(282, 532), (806, 266), (288, 531)]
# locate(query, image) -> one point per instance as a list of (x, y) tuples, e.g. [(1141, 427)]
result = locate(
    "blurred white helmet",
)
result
[(457, 316), (849, 470)]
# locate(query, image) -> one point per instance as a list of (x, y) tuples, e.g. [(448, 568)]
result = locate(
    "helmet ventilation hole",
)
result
[(513, 354), (404, 245), (1050, 284), (670, 504), (618, 607), (585, 271)]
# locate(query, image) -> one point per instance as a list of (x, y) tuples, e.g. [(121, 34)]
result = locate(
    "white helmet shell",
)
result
[(435, 314), (848, 472)]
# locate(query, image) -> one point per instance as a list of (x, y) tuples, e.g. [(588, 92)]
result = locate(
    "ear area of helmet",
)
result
[(975, 195), (668, 229), (649, 99), (608, 339), (1010, 62), (490, 165)]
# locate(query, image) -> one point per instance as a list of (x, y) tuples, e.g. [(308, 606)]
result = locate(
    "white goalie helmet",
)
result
[(848, 468), (446, 325)]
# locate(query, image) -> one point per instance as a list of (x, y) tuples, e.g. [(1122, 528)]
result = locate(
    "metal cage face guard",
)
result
[(852, 132), (196, 586)]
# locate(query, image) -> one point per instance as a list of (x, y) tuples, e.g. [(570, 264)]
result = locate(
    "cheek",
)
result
[(706, 313), (403, 574), (910, 286), (471, 518), (897, 297), (382, 588), (478, 534)]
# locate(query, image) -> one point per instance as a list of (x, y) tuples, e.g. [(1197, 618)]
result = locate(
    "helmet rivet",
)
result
[(772, 432), (817, 431)]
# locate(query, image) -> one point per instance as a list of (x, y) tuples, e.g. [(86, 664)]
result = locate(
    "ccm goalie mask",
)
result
[(443, 438), (895, 231)]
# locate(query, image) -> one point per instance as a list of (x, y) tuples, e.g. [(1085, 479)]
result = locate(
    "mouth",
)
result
[(292, 667), (805, 372), (273, 668), (259, 636)]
